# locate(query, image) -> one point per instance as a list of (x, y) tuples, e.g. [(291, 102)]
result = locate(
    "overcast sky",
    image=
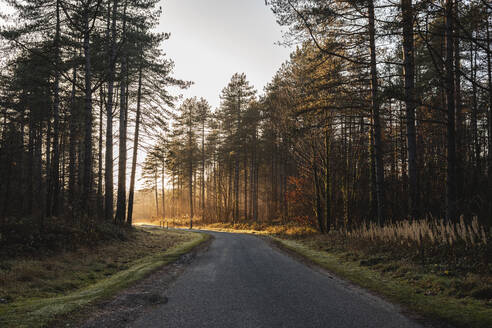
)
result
[(213, 39)]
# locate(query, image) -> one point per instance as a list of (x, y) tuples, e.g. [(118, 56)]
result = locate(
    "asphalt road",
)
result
[(241, 281)]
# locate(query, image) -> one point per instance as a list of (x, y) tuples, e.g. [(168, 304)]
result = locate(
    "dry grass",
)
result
[(425, 233), (272, 228), (86, 275), (460, 246), (49, 276)]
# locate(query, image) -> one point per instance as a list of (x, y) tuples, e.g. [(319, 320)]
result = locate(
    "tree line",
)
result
[(79, 78), (382, 113)]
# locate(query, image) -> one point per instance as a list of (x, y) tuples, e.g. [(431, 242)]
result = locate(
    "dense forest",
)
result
[(382, 113), (79, 78)]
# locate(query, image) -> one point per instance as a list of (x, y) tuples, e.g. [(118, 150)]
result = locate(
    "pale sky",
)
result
[(213, 39)]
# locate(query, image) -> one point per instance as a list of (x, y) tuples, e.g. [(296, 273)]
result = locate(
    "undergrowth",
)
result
[(48, 276), (22, 237)]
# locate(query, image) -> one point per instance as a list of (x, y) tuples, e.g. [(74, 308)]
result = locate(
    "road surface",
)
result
[(241, 281)]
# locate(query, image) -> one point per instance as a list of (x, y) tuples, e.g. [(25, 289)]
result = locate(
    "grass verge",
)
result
[(38, 311), (461, 312)]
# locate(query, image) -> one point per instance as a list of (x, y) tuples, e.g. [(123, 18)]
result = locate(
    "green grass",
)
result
[(461, 312), (39, 311)]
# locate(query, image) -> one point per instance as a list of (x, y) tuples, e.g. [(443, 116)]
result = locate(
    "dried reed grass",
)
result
[(430, 232)]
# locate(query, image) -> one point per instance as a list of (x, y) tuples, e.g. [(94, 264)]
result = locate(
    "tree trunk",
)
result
[(190, 181), (72, 158), (7, 148), (31, 163), (190, 170), (100, 202), (173, 196), (460, 132), (327, 181), (252, 183), (410, 104), (135, 150), (474, 115), (156, 194), (54, 192), (318, 208), (87, 174), (378, 147), (46, 186), (121, 193), (108, 172), (489, 75), (38, 212), (236, 188), (372, 173), (245, 187), (163, 183), (256, 173), (450, 104), (203, 173), (63, 142)]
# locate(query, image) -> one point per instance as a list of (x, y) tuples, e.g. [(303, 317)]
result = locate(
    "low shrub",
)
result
[(24, 236)]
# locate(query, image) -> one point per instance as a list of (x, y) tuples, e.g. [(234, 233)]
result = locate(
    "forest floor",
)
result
[(36, 289), (431, 286)]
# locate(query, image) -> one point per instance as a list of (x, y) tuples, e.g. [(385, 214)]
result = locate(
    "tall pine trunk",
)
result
[(245, 186), (474, 115), (410, 104), (156, 194), (378, 147), (489, 75), (459, 118), (122, 158), (87, 167), (163, 184), (202, 197), (190, 182), (135, 149), (450, 107), (318, 207), (327, 181), (108, 171), (54, 187), (72, 147), (236, 188), (190, 169), (100, 201)]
